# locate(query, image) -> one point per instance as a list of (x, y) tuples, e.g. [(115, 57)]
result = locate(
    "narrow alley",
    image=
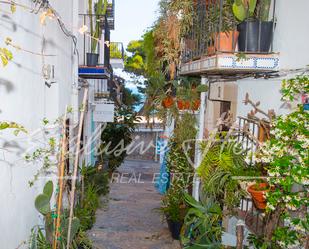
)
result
[(130, 217)]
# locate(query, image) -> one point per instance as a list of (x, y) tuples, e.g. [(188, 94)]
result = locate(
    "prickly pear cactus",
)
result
[(74, 229), (42, 201)]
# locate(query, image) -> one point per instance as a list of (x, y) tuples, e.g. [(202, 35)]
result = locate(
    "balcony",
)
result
[(111, 14), (116, 55), (218, 43), (94, 51)]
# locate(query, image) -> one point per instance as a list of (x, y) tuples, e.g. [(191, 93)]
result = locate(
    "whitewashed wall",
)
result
[(291, 41), (25, 99)]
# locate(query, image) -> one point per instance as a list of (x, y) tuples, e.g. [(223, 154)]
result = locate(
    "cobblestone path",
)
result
[(130, 219)]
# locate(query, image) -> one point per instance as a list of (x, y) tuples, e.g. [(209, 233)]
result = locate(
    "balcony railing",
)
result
[(111, 14), (116, 55), (216, 29), (116, 50), (217, 33), (93, 41)]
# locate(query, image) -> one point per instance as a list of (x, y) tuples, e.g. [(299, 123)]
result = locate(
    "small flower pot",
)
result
[(258, 192), (92, 59), (226, 41), (183, 104), (168, 102), (175, 228)]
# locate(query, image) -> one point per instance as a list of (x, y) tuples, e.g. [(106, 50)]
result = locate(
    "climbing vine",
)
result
[(287, 159)]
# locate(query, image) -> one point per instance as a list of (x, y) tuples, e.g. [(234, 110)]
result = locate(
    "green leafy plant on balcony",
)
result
[(95, 15), (115, 52), (251, 9)]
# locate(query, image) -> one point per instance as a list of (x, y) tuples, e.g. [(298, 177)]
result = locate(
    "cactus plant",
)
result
[(264, 9), (244, 9), (74, 229), (42, 204)]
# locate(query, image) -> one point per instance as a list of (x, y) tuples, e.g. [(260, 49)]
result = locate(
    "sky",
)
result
[(132, 18)]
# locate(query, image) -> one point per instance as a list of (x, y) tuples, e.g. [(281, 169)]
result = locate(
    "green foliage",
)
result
[(48, 189), (173, 204), (292, 88), (115, 52), (5, 55), (263, 10), (286, 160), (116, 137), (242, 11), (38, 240), (12, 125), (129, 98), (228, 20), (96, 182), (42, 204), (135, 62), (86, 209), (202, 225), (258, 9), (95, 24), (178, 164), (220, 163)]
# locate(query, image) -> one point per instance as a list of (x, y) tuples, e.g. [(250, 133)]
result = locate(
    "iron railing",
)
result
[(101, 90), (93, 41), (116, 50), (215, 30)]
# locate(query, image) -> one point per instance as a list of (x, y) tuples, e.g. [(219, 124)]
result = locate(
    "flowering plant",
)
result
[(286, 156)]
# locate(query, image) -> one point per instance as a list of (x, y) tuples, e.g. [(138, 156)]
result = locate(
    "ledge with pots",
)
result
[(232, 63)]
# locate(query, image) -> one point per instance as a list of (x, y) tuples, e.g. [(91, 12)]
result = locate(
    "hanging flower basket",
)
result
[(258, 192), (168, 102), (183, 104), (186, 105)]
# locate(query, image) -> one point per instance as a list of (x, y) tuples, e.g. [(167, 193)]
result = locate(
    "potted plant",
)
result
[(202, 224), (226, 39), (188, 94), (95, 29), (174, 210), (169, 95), (168, 102), (258, 192), (255, 29)]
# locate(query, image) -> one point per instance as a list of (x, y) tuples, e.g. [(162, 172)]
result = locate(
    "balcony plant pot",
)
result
[(168, 102), (92, 59), (183, 104), (226, 41), (174, 227), (255, 36), (258, 192)]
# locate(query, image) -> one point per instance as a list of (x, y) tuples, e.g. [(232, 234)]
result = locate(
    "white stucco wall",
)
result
[(265, 91), (291, 41), (292, 33), (25, 99)]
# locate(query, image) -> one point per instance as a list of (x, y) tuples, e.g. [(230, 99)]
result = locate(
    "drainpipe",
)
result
[(200, 136)]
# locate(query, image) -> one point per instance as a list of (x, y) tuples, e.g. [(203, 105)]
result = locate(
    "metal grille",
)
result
[(213, 21)]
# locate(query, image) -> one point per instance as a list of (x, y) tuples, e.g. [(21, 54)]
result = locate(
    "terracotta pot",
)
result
[(258, 196), (183, 104), (211, 50), (224, 42), (167, 102)]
